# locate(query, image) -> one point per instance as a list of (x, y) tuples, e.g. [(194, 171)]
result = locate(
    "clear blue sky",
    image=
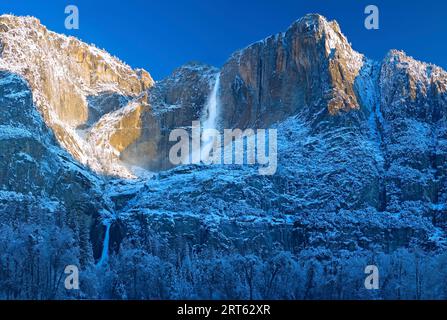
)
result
[(164, 34)]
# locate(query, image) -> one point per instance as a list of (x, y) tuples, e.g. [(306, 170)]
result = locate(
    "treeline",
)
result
[(33, 259), (314, 274), (36, 245)]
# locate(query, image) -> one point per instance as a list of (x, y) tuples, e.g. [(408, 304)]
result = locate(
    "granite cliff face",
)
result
[(139, 133), (361, 148), (74, 84), (175, 102), (413, 129), (40, 181), (309, 69)]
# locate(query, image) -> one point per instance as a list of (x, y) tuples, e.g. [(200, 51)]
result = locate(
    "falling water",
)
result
[(105, 246), (212, 108)]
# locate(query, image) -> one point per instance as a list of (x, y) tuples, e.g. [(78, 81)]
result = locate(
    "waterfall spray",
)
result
[(210, 122)]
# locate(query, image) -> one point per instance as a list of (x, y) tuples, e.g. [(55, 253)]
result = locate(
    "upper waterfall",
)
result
[(212, 108)]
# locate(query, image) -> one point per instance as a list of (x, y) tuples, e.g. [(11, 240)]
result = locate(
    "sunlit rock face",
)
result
[(309, 69), (74, 84)]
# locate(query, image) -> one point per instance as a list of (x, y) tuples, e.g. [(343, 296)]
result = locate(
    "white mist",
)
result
[(201, 152)]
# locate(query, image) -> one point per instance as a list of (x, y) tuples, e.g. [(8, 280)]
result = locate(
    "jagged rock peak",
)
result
[(195, 66), (191, 71), (313, 26), (412, 89), (319, 26), (401, 60)]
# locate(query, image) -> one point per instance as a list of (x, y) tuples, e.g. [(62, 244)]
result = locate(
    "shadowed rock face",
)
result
[(104, 103), (36, 174), (413, 104)]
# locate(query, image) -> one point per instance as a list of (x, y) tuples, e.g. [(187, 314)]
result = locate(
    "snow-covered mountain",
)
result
[(361, 170)]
